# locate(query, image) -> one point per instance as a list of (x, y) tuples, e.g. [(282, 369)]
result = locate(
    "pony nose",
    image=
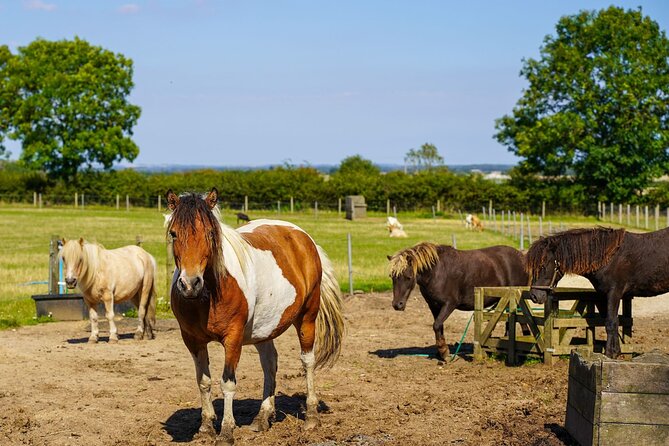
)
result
[(399, 306), (190, 286), (71, 282)]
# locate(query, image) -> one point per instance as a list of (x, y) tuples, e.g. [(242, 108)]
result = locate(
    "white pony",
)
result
[(111, 276), (395, 228)]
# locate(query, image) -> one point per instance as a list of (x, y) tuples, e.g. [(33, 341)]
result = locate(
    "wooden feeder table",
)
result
[(553, 330)]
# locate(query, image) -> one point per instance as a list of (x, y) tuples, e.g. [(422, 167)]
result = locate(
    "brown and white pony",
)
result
[(247, 286), (110, 276)]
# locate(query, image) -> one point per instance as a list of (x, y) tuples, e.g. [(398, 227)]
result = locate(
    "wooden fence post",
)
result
[(541, 227), (657, 217), (159, 203), (35, 199), (637, 215), (127, 202), (278, 207), (316, 208), (76, 200), (339, 207), (543, 209), (529, 231), (628, 215), (620, 214), (388, 208), (117, 202), (291, 205), (82, 201), (246, 203), (454, 243), (522, 233)]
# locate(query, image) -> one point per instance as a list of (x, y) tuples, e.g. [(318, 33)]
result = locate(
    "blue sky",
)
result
[(246, 82)]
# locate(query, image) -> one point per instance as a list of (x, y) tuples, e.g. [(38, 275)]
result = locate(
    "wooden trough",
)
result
[(618, 402), (553, 330)]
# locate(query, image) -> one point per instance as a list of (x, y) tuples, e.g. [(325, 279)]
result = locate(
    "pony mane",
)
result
[(90, 259), (193, 207), (419, 257), (579, 251)]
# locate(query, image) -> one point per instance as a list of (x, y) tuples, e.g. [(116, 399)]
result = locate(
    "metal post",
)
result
[(127, 203), (657, 217), (82, 201), (637, 215), (316, 208), (620, 214), (529, 230), (350, 265), (628, 215), (159, 203), (646, 216), (117, 202)]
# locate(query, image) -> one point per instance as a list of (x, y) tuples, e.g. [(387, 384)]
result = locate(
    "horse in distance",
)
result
[(473, 222), (447, 277), (112, 276), (248, 286), (619, 264)]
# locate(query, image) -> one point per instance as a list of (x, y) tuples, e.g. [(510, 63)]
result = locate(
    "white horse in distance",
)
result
[(395, 228)]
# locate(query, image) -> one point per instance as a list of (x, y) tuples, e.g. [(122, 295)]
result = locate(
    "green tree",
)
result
[(356, 176), (597, 104), (66, 101), (425, 158)]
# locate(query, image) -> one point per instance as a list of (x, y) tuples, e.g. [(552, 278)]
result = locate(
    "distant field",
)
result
[(26, 233)]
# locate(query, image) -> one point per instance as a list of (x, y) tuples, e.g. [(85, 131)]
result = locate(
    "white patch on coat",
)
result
[(267, 291)]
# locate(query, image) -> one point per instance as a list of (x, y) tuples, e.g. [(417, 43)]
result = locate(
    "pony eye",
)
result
[(173, 234)]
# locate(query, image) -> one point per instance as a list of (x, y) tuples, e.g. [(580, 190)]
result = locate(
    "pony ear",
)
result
[(81, 241), (390, 257), (63, 241), (172, 200), (212, 198)]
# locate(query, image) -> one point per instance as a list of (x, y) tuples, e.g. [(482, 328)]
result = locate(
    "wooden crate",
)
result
[(553, 330), (613, 402)]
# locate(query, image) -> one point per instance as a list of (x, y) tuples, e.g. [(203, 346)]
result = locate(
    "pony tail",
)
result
[(330, 320)]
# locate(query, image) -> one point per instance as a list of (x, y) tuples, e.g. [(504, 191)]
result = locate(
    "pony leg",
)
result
[(233, 350), (268, 361), (306, 332), (200, 356), (93, 317), (438, 328), (612, 342), (109, 312), (141, 313)]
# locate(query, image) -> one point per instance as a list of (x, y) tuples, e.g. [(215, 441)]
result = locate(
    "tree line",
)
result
[(414, 191)]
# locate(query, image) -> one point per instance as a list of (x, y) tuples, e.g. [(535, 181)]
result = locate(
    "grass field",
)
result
[(26, 232)]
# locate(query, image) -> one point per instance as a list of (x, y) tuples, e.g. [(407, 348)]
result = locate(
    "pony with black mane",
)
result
[(619, 264), (248, 286), (447, 277)]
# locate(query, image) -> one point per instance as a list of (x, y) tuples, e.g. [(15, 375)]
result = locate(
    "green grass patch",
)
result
[(26, 233)]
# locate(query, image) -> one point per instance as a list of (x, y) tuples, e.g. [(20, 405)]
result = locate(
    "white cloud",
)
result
[(39, 5), (129, 8)]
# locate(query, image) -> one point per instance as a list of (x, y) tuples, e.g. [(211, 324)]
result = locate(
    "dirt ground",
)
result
[(386, 389)]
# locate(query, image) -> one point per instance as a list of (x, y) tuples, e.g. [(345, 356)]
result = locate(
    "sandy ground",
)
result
[(386, 389)]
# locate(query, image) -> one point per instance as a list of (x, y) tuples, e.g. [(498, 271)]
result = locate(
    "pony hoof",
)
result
[(138, 336), (259, 425), (311, 423), (205, 433), (92, 340), (113, 340), (226, 438)]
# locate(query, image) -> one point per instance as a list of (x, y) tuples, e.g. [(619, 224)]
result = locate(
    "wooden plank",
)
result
[(511, 358), (624, 433), (581, 429), (495, 317), (502, 345), (578, 322), (530, 320), (478, 323), (637, 408), (635, 377)]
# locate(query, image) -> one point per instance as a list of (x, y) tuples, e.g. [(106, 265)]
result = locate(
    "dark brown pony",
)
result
[(617, 263), (447, 278), (247, 287)]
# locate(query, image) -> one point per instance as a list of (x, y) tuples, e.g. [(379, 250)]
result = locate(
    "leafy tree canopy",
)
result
[(356, 164), (426, 157), (66, 101), (597, 104)]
